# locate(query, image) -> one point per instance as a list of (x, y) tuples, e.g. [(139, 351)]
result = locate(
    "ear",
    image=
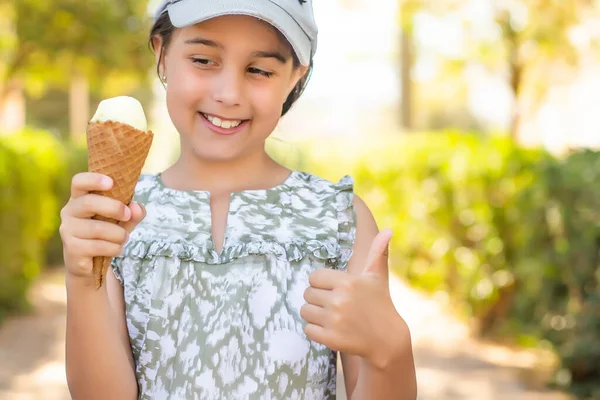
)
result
[(297, 74)]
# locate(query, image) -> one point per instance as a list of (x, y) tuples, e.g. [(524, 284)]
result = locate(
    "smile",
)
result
[(222, 123), (222, 126)]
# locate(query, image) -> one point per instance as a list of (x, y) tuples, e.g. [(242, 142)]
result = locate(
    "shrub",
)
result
[(30, 163)]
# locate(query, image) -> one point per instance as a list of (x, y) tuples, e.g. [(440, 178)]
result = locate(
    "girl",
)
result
[(242, 279)]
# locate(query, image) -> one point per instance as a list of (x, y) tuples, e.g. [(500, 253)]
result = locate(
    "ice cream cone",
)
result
[(119, 151)]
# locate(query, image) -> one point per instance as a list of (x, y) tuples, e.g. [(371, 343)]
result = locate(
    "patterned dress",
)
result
[(226, 325)]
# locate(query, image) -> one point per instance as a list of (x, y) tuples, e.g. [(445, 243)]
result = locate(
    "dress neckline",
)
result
[(206, 194)]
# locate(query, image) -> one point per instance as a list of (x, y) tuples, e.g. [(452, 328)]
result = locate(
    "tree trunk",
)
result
[(406, 111), (512, 41), (12, 108), (79, 109), (516, 79)]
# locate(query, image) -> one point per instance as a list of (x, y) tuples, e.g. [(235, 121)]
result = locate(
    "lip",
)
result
[(222, 131), (222, 117)]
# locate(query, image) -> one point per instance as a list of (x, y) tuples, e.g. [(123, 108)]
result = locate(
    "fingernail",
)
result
[(127, 214), (106, 182)]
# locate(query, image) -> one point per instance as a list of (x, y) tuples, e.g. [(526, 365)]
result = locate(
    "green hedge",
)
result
[(569, 259), (31, 168)]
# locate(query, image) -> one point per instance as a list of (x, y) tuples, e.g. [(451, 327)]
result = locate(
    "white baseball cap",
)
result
[(293, 18)]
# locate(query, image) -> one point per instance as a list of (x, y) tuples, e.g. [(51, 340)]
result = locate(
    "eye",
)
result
[(260, 72), (201, 61)]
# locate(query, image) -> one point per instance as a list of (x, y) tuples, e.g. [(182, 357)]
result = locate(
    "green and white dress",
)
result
[(210, 325)]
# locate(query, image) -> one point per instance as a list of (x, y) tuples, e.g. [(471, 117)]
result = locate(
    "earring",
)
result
[(164, 78)]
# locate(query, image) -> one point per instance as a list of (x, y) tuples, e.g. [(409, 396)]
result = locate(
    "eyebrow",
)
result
[(257, 54), (270, 54), (206, 42)]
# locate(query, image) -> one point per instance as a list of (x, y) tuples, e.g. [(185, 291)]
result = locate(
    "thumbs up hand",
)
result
[(353, 313)]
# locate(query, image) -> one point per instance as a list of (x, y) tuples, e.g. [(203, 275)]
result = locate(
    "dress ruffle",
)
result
[(329, 252), (346, 219)]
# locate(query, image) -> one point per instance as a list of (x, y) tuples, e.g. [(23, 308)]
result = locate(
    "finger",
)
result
[(313, 314), (138, 213), (94, 204), (92, 248), (325, 278), (102, 230), (318, 297), (377, 260), (86, 182), (319, 334)]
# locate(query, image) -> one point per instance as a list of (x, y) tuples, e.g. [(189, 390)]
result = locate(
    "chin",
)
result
[(216, 154)]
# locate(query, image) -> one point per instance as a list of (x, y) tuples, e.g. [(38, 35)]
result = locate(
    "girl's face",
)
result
[(227, 80)]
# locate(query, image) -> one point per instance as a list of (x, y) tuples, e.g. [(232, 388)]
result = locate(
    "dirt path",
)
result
[(451, 366), (32, 346)]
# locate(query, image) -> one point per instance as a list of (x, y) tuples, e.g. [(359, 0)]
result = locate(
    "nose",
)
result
[(227, 88)]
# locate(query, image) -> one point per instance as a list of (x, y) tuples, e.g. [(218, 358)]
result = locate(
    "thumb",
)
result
[(138, 213), (377, 260)]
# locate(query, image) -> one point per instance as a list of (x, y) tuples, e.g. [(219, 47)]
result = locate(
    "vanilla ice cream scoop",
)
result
[(123, 109)]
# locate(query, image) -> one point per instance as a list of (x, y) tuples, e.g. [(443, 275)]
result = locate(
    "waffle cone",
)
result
[(119, 151)]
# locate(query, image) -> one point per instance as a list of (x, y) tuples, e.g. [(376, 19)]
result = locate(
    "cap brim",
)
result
[(186, 13)]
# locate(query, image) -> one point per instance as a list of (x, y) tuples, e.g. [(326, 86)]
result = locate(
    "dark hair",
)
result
[(164, 29)]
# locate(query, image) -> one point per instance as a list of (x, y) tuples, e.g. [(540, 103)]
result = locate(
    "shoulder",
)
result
[(146, 180), (366, 231), (145, 185), (364, 216), (355, 219), (322, 185), (345, 197), (337, 197), (315, 180)]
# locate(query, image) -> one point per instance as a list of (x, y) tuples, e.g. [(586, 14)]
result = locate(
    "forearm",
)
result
[(97, 362), (394, 384), (393, 379)]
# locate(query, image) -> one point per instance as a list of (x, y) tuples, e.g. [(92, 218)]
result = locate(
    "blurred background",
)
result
[(470, 126)]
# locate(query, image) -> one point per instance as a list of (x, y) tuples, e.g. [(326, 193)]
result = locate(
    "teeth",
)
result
[(221, 123)]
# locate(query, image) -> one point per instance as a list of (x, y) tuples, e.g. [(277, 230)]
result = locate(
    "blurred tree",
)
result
[(98, 45), (406, 12), (11, 99), (536, 46), (531, 42)]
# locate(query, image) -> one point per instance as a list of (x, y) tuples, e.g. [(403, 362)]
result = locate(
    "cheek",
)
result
[(267, 102), (179, 105), (186, 89), (184, 94)]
